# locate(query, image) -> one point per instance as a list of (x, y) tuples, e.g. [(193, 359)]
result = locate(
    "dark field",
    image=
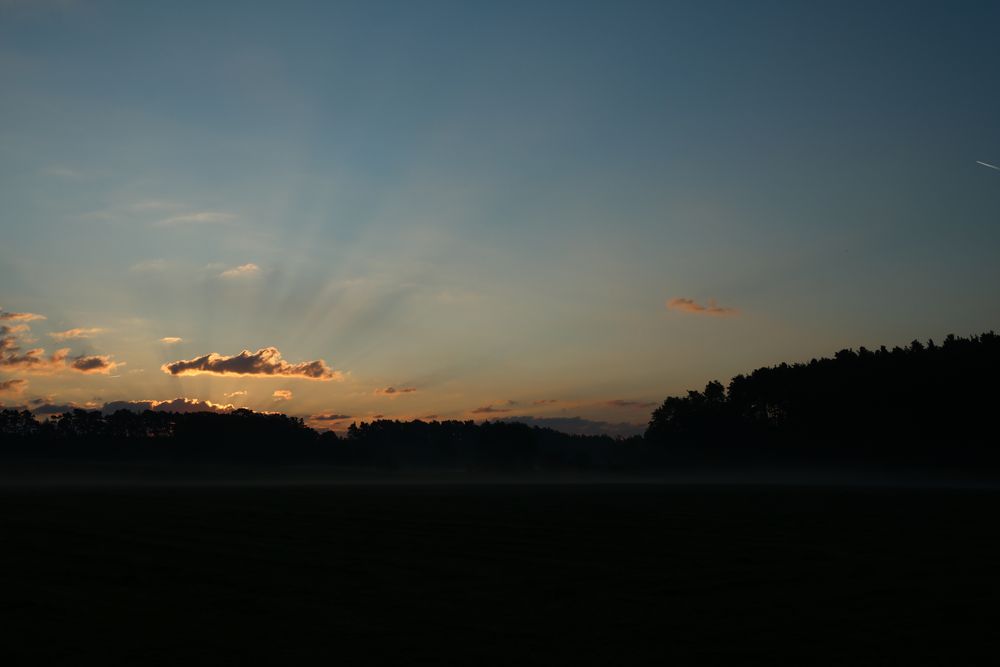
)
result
[(498, 574)]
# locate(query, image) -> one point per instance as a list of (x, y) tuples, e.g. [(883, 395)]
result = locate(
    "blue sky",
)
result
[(489, 203)]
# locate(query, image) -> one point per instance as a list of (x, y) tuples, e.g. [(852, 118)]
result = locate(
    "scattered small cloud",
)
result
[(13, 387), (691, 306), (10, 330), (241, 271), (19, 317), (171, 340), (35, 360), (75, 333), (265, 362), (546, 401), (282, 395), (620, 403), (394, 391), (198, 218), (234, 394)]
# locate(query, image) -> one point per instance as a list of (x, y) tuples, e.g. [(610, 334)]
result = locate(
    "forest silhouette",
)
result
[(924, 405)]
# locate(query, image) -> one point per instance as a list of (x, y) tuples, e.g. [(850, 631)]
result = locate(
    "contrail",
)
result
[(987, 164)]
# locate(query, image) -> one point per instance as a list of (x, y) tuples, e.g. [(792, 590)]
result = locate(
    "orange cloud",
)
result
[(20, 317), (282, 395), (75, 333), (265, 362), (691, 306), (13, 387), (171, 340), (13, 329), (241, 271)]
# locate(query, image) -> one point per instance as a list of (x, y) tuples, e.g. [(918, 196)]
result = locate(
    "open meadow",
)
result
[(498, 574)]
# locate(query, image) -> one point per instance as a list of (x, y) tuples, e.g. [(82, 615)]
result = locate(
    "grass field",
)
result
[(498, 574)]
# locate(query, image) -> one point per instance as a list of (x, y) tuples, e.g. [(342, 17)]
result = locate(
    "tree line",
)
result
[(923, 404)]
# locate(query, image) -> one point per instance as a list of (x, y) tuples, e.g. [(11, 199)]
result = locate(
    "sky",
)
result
[(556, 210)]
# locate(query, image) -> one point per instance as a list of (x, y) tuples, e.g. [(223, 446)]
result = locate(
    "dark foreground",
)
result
[(498, 574)]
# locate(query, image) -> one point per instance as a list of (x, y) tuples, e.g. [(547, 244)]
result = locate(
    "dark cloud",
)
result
[(329, 418), (96, 364), (546, 401), (690, 306), (56, 408), (488, 410), (180, 404), (14, 387), (620, 403), (262, 363), (389, 391), (580, 426)]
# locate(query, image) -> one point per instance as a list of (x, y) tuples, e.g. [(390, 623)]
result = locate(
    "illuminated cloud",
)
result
[(265, 362), (12, 329), (200, 218), (282, 395), (19, 317), (488, 410), (393, 391), (329, 418), (171, 340), (172, 405), (691, 306), (13, 387), (241, 271), (234, 394), (75, 333), (619, 403)]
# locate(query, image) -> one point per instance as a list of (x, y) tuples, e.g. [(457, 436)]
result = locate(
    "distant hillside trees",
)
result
[(928, 405), (921, 401)]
